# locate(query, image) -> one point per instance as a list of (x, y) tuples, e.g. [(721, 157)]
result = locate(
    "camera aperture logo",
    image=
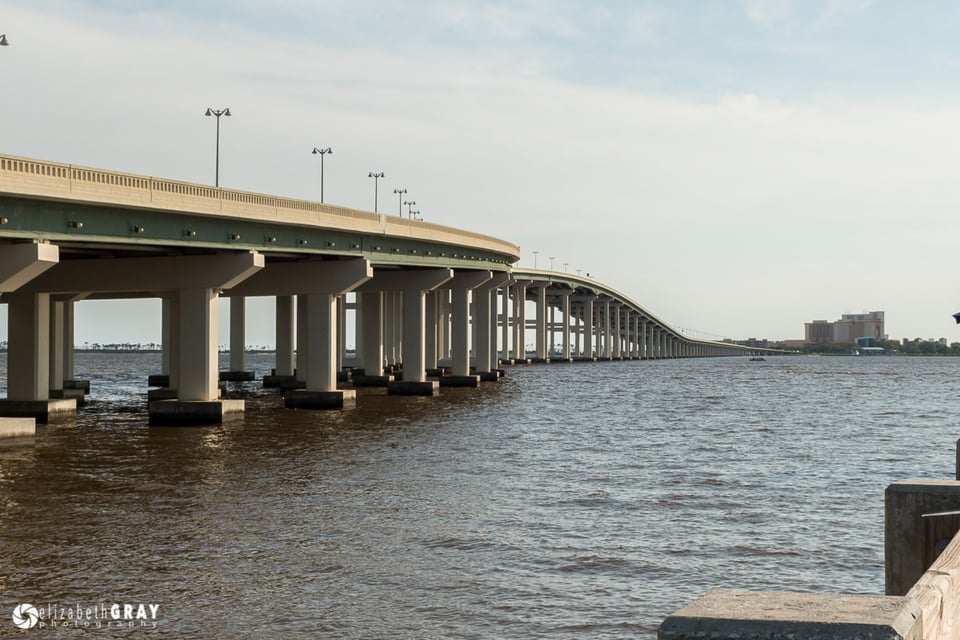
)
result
[(25, 616), (99, 616)]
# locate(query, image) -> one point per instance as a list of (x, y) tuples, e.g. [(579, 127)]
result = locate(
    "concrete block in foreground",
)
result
[(40, 410), (363, 380), (460, 381), (236, 376), (192, 412), (726, 614), (301, 399), (489, 376), (17, 427), (402, 388)]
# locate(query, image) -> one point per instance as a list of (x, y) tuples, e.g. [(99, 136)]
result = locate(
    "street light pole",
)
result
[(409, 204), (218, 113), (551, 263), (3, 40), (321, 153), (376, 187), (400, 193), (535, 259), (565, 266)]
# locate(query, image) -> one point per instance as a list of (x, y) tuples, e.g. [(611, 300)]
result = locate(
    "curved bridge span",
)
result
[(433, 305)]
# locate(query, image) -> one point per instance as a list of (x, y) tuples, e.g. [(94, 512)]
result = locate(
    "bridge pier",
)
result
[(415, 288), (462, 284), (540, 349), (238, 342), (283, 371), (586, 316), (371, 338), (485, 327), (505, 324)]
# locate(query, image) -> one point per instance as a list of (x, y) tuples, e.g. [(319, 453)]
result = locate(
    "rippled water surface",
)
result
[(567, 501)]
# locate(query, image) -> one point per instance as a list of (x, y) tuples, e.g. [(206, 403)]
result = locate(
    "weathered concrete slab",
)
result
[(193, 413), (404, 388), (301, 399), (363, 380), (236, 376), (158, 380), (460, 381), (277, 381), (40, 410), (489, 376), (77, 384), (77, 394), (17, 427), (725, 614)]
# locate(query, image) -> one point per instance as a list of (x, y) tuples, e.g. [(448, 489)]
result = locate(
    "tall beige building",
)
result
[(848, 328)]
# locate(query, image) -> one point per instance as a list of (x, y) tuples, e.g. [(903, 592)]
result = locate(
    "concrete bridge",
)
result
[(441, 302)]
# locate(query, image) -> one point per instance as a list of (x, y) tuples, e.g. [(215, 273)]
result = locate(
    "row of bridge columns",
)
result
[(409, 322)]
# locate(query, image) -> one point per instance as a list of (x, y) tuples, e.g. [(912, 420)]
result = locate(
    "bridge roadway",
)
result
[(442, 302)]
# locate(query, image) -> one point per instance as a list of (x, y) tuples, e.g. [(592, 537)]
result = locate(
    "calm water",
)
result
[(568, 501)]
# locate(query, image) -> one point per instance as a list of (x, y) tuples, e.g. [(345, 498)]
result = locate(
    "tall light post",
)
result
[(415, 215), (565, 266), (535, 259), (376, 187), (400, 193), (3, 40), (218, 113), (551, 262), (321, 153), (409, 204)]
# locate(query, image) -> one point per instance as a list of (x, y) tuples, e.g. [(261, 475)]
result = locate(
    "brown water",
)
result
[(567, 501)]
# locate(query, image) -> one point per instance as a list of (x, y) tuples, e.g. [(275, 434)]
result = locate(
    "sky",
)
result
[(738, 167)]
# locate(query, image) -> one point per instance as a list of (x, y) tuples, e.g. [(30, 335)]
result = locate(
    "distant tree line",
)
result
[(915, 347)]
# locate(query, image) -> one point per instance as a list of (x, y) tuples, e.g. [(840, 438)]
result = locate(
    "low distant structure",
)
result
[(849, 328)]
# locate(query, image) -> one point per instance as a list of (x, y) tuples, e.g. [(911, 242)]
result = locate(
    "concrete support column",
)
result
[(431, 327), (565, 313), (617, 332), (56, 349), (576, 336), (371, 307), (28, 360), (321, 315), (341, 333), (414, 317), (392, 327), (320, 287), (444, 338), (238, 333), (171, 343), (68, 342), (520, 321), (413, 285), (461, 286), (505, 322), (542, 355), (284, 340), (607, 330), (198, 345), (587, 316), (485, 321), (303, 340), (552, 333), (238, 341)]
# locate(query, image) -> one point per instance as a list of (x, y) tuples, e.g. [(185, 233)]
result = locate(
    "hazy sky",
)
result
[(738, 167)]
